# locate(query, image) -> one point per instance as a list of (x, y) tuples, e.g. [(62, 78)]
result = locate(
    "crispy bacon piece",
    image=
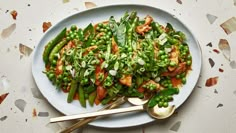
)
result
[(180, 69), (88, 49), (126, 80), (145, 27), (59, 64), (101, 92), (115, 48), (174, 57), (141, 89)]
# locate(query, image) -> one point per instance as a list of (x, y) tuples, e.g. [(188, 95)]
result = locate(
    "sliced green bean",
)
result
[(92, 97), (82, 97), (72, 91), (48, 48), (56, 49)]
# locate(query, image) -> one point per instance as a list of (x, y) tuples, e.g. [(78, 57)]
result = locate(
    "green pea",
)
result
[(157, 99), (178, 76), (166, 60), (70, 32), (54, 62), (189, 57), (165, 98), (72, 36), (51, 76), (183, 80), (59, 77), (107, 37), (189, 62), (65, 79), (160, 104), (68, 38), (161, 52), (165, 104), (172, 63), (93, 41), (176, 91), (129, 49), (161, 97), (170, 98), (163, 57), (73, 27), (98, 28), (77, 36), (186, 48), (170, 85), (184, 53), (105, 30), (129, 33), (100, 25), (102, 30), (109, 33), (107, 42)]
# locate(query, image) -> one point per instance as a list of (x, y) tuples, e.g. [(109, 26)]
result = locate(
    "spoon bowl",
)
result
[(161, 112)]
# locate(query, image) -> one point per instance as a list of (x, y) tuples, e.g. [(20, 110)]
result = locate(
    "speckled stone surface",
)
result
[(209, 109)]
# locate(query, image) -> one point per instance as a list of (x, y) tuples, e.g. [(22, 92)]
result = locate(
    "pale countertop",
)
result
[(207, 110)]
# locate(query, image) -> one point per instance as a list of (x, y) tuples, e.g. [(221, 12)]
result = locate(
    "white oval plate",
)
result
[(82, 19)]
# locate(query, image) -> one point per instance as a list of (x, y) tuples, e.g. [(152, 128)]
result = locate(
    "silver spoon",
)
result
[(119, 101), (156, 112)]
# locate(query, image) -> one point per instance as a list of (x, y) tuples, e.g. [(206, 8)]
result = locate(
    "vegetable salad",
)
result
[(129, 57)]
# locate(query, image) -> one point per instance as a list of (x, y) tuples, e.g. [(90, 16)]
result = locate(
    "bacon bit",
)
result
[(145, 27), (211, 81), (115, 48), (46, 25), (174, 57), (212, 63), (87, 50), (216, 51), (101, 92), (176, 82), (2, 97), (141, 89), (221, 70), (14, 14), (97, 101), (34, 113), (89, 5), (181, 68), (126, 80)]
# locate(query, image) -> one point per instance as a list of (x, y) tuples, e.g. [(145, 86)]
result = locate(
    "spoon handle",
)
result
[(99, 113), (83, 122)]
